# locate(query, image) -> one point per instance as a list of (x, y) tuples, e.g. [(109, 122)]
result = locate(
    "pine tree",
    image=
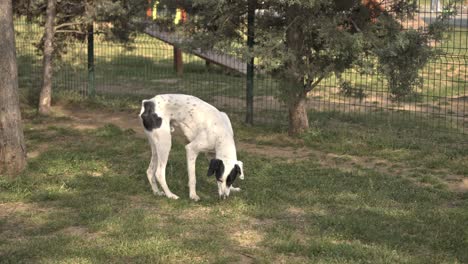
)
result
[(303, 42)]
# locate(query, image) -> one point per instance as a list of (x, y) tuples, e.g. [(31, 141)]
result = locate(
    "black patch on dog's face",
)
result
[(150, 119), (233, 175), (217, 167)]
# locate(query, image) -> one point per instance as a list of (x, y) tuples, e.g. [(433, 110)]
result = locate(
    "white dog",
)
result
[(206, 128)]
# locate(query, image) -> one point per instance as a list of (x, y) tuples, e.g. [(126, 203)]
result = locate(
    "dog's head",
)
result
[(148, 116), (226, 172)]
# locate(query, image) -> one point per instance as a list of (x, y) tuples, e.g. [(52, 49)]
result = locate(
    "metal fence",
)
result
[(148, 67)]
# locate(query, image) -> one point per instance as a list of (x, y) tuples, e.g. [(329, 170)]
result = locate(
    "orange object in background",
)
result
[(183, 15), (375, 8), (149, 12)]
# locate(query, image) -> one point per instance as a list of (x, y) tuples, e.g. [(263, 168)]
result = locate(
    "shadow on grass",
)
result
[(322, 213), (88, 199)]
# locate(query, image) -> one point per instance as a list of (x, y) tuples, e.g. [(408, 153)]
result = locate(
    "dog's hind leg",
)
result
[(163, 147), (151, 171)]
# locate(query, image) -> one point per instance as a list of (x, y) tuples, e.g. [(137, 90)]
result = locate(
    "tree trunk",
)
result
[(298, 120), (46, 91), (12, 148)]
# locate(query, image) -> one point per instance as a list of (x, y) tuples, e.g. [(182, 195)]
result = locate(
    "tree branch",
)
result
[(74, 4), (312, 84), (355, 25), (67, 24), (70, 31)]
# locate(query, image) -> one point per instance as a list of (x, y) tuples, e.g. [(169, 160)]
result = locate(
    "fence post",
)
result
[(178, 61), (250, 63), (91, 88)]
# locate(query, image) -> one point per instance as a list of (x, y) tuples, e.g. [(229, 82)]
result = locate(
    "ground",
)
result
[(348, 191)]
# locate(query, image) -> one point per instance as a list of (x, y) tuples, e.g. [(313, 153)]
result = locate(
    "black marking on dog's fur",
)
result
[(233, 175), (150, 119), (216, 166)]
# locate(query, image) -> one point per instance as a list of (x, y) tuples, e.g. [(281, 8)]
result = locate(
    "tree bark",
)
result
[(298, 120), (12, 148), (47, 62)]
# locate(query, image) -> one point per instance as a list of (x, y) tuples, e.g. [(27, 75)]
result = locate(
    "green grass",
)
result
[(84, 198), (416, 144)]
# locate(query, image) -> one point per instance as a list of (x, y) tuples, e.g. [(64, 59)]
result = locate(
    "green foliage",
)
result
[(117, 20), (347, 89), (401, 56), (303, 42)]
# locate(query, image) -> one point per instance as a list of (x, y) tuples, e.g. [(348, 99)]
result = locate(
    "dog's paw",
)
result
[(172, 196), (158, 193), (234, 189), (194, 197)]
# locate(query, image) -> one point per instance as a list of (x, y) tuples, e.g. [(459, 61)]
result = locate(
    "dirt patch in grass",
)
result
[(349, 163), (125, 89), (84, 119), (80, 231), (247, 237), (458, 183), (295, 211), (197, 212), (38, 150), (260, 102), (334, 101), (7, 209), (17, 219), (288, 154)]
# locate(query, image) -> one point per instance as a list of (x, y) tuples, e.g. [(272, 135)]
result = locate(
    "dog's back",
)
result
[(193, 115)]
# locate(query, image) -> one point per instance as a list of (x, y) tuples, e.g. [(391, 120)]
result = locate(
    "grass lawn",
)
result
[(351, 190)]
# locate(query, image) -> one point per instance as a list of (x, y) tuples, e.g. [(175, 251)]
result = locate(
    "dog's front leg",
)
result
[(192, 154), (163, 147), (151, 171)]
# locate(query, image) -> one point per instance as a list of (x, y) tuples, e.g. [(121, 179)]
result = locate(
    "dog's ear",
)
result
[(233, 175), (216, 166)]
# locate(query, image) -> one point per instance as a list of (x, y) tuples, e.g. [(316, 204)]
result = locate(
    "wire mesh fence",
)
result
[(152, 65)]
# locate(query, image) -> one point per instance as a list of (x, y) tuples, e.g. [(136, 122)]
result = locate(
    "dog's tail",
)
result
[(150, 119)]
